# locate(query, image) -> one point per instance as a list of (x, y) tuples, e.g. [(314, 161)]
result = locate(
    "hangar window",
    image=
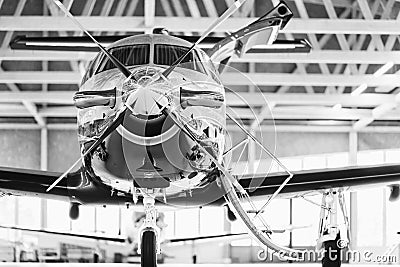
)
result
[(168, 54)]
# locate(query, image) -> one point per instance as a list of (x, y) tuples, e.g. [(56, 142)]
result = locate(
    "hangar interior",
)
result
[(336, 106)]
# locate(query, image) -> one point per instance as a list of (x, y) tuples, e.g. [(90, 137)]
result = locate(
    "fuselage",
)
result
[(147, 150)]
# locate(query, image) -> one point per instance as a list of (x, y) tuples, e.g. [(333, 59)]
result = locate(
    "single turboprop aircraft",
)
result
[(152, 128)]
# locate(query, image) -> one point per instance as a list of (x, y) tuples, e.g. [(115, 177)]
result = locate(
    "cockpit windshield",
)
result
[(163, 54), (129, 55), (168, 54)]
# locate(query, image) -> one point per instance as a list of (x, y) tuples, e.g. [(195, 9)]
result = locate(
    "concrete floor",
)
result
[(166, 265)]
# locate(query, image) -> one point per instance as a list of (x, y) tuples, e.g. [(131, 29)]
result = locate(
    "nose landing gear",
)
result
[(148, 249), (149, 233), (330, 240)]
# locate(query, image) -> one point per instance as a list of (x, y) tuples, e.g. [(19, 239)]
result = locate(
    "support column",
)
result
[(43, 167), (44, 139), (353, 149)]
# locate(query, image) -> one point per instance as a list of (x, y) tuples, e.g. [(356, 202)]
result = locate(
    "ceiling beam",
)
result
[(378, 113), (325, 56), (39, 77), (279, 113), (308, 79), (346, 100), (31, 108), (264, 128), (233, 99), (228, 78), (97, 23), (265, 113)]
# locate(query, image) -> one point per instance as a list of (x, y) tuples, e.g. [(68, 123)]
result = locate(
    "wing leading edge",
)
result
[(23, 182), (318, 180)]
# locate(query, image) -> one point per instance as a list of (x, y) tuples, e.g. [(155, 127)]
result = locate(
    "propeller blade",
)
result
[(115, 123), (186, 131), (210, 29), (266, 150), (113, 59)]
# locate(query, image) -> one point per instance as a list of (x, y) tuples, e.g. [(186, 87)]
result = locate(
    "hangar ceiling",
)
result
[(349, 82)]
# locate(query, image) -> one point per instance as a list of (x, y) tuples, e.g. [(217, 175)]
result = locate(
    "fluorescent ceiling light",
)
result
[(384, 69), (337, 106), (359, 89)]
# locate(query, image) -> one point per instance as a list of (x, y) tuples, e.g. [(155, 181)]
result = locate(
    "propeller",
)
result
[(113, 125), (120, 114), (232, 9), (184, 128), (125, 71)]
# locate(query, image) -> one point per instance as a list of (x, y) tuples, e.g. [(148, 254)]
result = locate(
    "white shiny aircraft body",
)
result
[(152, 131)]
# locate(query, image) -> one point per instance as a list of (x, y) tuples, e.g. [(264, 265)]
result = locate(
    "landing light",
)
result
[(205, 98), (86, 99)]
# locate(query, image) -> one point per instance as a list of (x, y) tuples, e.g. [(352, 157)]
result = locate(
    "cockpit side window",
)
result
[(90, 68), (130, 55), (168, 54)]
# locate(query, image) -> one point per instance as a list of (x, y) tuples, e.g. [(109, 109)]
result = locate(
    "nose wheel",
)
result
[(149, 234), (148, 249)]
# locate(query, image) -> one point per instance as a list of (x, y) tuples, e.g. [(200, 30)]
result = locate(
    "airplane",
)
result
[(130, 239), (152, 129)]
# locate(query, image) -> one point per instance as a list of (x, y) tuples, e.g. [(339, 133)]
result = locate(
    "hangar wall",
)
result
[(21, 148)]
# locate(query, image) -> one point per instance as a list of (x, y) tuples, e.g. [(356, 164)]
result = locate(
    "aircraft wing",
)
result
[(120, 239), (23, 182), (351, 178), (81, 235), (73, 188), (260, 36), (85, 44), (233, 236)]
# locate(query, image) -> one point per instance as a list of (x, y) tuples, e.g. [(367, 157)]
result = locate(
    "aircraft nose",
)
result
[(145, 118), (144, 102)]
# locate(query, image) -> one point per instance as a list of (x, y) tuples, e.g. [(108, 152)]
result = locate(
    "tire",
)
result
[(148, 248), (332, 248)]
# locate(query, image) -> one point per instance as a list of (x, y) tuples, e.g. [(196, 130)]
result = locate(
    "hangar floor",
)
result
[(166, 265)]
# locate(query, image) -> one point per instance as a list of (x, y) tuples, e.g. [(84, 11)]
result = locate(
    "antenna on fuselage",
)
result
[(162, 31)]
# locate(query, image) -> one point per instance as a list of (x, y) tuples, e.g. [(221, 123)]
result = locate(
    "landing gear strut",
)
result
[(149, 234), (329, 235)]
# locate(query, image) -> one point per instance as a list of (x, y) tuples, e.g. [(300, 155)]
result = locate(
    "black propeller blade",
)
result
[(114, 124), (124, 70)]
